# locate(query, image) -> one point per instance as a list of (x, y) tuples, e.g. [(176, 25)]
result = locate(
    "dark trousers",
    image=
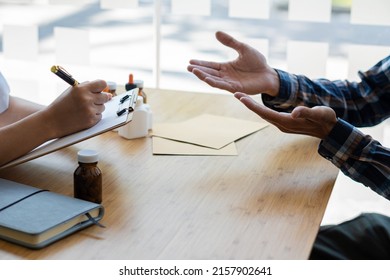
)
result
[(366, 237)]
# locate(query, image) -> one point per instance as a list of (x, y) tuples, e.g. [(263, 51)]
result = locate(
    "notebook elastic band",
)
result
[(23, 198), (94, 221)]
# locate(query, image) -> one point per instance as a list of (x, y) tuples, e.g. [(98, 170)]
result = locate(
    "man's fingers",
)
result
[(301, 112), (212, 80), (219, 83), (315, 114), (282, 120), (203, 63), (200, 70), (228, 40), (238, 95), (252, 105), (204, 76)]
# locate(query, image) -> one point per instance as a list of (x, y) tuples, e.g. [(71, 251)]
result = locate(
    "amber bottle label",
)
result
[(88, 183)]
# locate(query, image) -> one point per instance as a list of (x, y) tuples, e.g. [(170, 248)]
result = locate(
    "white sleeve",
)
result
[(4, 94)]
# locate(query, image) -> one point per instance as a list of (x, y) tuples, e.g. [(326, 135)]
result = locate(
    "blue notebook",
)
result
[(35, 218)]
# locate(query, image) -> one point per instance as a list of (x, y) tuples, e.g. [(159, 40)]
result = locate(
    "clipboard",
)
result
[(118, 112)]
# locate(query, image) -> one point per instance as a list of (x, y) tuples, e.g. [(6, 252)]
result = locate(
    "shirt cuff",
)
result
[(287, 92), (341, 143)]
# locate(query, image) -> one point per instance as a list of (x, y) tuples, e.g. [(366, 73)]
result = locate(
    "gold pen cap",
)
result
[(54, 68)]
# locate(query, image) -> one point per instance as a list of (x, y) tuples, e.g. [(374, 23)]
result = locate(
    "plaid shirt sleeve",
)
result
[(358, 156), (366, 103), (361, 104)]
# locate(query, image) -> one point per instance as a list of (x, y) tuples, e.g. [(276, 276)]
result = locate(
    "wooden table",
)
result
[(265, 203)]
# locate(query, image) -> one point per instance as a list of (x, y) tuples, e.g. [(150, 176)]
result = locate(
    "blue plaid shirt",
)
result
[(364, 103)]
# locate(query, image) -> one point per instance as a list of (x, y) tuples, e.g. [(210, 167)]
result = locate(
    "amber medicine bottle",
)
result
[(87, 177)]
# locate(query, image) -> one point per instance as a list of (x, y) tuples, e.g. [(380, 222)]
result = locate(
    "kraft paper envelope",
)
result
[(162, 146), (208, 130)]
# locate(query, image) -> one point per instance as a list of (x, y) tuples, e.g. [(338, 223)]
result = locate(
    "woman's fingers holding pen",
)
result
[(90, 101), (102, 97), (79, 107), (96, 87)]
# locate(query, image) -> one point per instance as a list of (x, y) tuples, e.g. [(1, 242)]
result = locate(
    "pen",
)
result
[(63, 74)]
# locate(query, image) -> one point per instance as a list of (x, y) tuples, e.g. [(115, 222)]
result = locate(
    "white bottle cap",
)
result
[(139, 83), (111, 85), (87, 156)]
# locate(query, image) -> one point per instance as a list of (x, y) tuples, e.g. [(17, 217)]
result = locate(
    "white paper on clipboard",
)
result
[(124, 102)]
